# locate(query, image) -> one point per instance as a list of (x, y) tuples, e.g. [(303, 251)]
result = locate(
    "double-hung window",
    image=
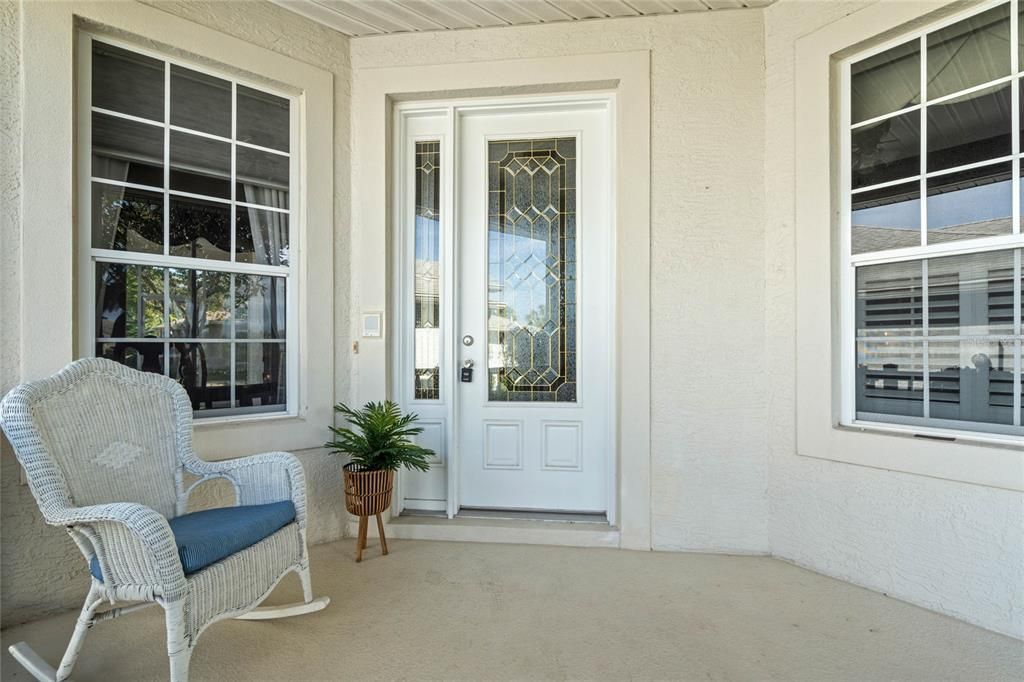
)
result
[(931, 246), (188, 271)]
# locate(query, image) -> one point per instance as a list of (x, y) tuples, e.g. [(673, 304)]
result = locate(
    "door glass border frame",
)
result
[(577, 136)]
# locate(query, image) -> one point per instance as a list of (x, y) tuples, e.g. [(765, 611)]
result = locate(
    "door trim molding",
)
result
[(377, 94)]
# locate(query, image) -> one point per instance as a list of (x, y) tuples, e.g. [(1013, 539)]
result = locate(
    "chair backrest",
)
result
[(99, 432)]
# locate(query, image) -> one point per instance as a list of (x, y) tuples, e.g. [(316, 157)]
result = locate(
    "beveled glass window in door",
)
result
[(531, 296), (933, 148), (426, 285), (189, 228)]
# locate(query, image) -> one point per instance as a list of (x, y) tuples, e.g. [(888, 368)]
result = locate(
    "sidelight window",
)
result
[(427, 277)]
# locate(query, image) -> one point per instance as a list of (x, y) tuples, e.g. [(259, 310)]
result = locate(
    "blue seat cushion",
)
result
[(205, 537)]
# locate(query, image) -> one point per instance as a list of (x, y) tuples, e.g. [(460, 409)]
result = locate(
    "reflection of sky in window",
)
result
[(905, 215), (427, 231), (521, 283), (971, 205), (963, 207)]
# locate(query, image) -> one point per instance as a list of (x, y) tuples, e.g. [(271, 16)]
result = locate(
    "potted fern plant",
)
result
[(378, 443)]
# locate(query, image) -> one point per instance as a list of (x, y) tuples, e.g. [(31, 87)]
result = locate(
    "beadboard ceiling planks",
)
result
[(379, 17)]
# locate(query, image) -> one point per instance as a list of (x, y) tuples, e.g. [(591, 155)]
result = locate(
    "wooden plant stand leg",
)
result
[(361, 542), (383, 540)]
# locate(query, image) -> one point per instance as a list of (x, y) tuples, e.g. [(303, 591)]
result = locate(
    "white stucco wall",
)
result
[(708, 462), (953, 547), (10, 184), (41, 571)]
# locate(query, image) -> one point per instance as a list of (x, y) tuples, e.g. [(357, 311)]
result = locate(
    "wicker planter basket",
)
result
[(367, 492)]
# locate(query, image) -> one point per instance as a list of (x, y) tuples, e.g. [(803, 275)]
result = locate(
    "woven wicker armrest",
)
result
[(133, 544), (260, 479)]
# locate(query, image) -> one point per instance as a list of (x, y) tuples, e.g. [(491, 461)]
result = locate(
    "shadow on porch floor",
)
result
[(435, 610)]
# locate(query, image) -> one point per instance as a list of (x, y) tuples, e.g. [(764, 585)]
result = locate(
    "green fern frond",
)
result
[(379, 437)]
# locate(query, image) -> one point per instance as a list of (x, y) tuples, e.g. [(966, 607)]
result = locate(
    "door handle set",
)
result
[(466, 373)]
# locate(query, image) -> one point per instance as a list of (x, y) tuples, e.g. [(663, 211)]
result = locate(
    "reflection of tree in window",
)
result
[(190, 222), (131, 214)]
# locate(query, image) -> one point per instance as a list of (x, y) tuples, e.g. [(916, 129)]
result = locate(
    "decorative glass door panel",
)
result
[(427, 303), (531, 274)]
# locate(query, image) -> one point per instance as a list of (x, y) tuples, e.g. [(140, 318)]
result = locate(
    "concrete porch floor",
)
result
[(436, 610)]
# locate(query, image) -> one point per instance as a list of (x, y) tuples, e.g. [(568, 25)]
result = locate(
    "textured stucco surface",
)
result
[(953, 547), (709, 477), (41, 571), (10, 188)]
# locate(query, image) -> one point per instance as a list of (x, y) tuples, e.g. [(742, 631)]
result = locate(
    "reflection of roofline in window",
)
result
[(973, 177), (958, 30), (866, 65)]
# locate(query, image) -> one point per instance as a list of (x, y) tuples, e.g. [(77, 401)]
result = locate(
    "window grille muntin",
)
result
[(278, 267), (914, 245)]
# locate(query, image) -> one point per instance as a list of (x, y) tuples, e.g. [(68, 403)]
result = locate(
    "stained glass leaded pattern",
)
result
[(532, 270), (427, 343)]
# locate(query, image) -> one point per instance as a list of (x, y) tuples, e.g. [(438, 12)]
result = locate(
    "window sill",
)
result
[(971, 459), (248, 419), (942, 435), (226, 437)]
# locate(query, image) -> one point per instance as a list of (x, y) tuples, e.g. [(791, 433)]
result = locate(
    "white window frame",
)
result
[(51, 203), (87, 256), (816, 210), (849, 261)]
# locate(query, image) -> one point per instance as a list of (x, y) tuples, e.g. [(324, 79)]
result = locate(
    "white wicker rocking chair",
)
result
[(106, 449)]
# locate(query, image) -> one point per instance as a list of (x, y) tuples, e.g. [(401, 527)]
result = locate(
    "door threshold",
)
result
[(505, 527), (531, 514), (429, 513)]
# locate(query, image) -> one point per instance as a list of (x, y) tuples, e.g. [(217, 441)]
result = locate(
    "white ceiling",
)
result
[(378, 17)]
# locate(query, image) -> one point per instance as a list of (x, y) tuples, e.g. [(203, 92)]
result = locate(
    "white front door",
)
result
[(534, 308)]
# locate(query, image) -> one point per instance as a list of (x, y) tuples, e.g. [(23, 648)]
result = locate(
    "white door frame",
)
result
[(447, 114), (375, 92)]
